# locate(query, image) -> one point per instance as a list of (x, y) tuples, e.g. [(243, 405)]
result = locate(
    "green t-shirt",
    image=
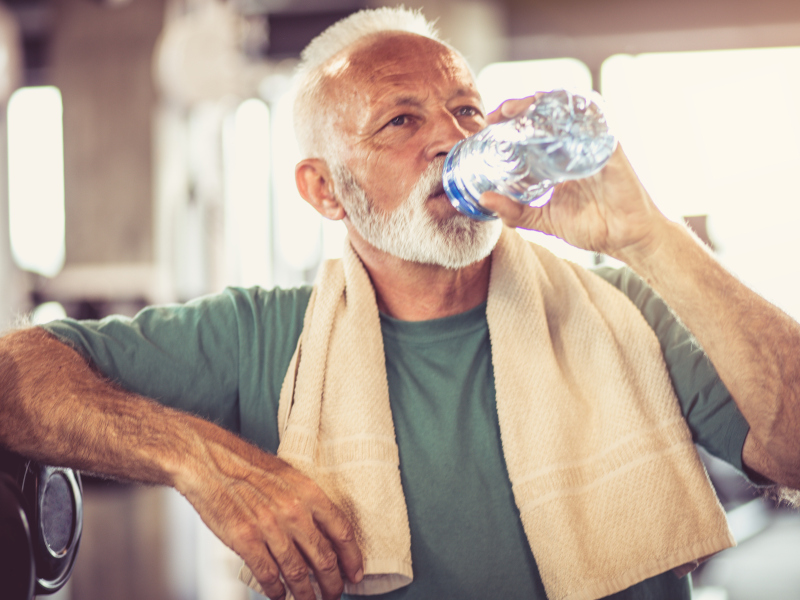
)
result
[(224, 357)]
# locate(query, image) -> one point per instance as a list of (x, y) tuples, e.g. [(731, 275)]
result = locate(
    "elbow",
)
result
[(779, 437), (775, 458)]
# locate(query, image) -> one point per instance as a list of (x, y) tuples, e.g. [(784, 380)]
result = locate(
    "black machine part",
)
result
[(17, 567), (41, 519)]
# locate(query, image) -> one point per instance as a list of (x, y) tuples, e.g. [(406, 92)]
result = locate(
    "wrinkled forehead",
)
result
[(398, 51), (392, 63)]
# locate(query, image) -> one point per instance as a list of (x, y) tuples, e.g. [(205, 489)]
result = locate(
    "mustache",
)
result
[(430, 182)]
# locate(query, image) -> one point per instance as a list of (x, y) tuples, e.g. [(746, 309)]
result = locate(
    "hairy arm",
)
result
[(56, 409), (753, 345)]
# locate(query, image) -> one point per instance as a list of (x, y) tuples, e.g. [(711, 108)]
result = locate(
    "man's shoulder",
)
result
[(256, 299), (266, 310), (289, 296)]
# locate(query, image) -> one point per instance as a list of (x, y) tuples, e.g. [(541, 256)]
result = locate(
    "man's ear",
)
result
[(316, 187)]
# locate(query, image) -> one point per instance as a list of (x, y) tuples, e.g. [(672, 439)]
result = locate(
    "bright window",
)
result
[(716, 133), (36, 179), (247, 207), (46, 312), (500, 81)]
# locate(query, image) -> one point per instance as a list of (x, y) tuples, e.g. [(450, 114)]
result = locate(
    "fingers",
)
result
[(511, 108), (514, 214), (271, 553), (508, 110), (311, 535), (342, 537), (263, 566), (323, 534), (292, 552), (295, 569), (322, 560)]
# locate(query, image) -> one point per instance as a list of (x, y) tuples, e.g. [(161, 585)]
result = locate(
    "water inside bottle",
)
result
[(561, 136)]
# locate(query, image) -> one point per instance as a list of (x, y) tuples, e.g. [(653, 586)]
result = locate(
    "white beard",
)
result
[(410, 231)]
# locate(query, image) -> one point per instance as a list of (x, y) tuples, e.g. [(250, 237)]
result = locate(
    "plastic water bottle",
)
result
[(560, 136)]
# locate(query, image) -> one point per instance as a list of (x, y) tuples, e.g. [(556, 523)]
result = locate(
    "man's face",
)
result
[(401, 102)]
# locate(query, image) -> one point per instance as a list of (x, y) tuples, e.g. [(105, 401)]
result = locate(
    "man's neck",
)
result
[(418, 292)]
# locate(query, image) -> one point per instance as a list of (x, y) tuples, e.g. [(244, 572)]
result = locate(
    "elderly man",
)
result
[(464, 415)]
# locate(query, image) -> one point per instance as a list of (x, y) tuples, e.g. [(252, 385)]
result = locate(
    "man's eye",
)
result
[(399, 120), (467, 111)]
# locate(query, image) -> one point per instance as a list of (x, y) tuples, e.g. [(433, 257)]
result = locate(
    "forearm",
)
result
[(754, 346), (56, 409)]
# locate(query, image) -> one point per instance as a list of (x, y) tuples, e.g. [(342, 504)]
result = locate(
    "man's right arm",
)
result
[(56, 409)]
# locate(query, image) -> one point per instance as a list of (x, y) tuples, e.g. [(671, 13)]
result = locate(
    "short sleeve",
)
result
[(221, 357), (710, 411)]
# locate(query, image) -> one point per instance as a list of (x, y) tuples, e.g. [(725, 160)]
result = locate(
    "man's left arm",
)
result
[(754, 346)]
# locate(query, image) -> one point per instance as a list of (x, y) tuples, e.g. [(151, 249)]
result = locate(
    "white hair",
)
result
[(311, 121), (349, 30)]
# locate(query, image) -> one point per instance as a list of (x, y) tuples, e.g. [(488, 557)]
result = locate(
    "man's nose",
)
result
[(444, 132)]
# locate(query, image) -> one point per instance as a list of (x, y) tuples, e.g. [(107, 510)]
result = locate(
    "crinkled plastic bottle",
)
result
[(560, 136)]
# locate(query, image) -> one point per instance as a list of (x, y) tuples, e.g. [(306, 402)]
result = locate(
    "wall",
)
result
[(101, 61), (592, 31)]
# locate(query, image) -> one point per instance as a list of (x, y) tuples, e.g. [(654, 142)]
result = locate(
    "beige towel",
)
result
[(608, 483)]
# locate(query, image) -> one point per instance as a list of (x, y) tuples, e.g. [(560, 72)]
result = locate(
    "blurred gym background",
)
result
[(146, 156)]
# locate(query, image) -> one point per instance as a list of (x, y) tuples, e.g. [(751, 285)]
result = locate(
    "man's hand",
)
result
[(278, 520), (609, 212)]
